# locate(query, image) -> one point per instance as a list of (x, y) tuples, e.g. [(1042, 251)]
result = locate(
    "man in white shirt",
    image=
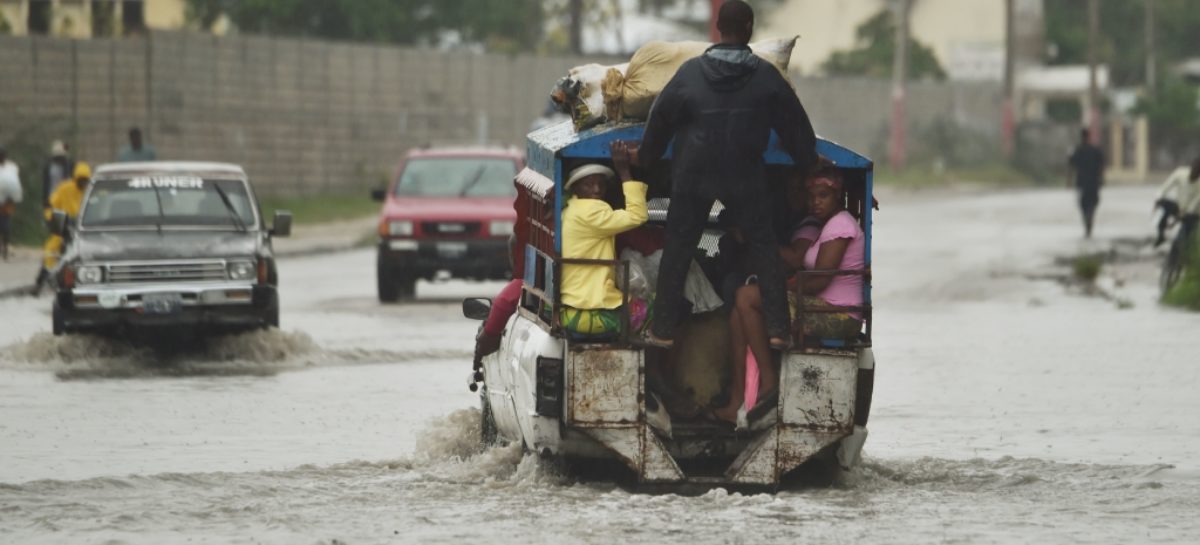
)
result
[(1180, 196), (10, 195)]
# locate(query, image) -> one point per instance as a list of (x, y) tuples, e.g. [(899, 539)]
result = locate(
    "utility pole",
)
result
[(1007, 123), (714, 35), (897, 150), (1151, 76), (576, 30), (1093, 90)]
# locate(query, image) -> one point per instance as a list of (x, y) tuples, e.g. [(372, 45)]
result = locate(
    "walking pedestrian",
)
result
[(1087, 165), (10, 195), (58, 169), (719, 109), (137, 150)]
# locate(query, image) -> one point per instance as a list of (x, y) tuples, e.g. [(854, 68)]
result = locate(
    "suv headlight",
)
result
[(89, 274), (500, 228), (400, 228), (242, 270)]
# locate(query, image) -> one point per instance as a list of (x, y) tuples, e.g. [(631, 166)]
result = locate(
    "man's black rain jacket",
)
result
[(720, 108)]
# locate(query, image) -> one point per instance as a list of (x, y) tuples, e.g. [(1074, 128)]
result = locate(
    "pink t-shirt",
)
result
[(843, 290)]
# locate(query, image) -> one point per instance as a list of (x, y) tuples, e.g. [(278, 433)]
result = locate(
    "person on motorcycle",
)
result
[(68, 198), (1179, 198)]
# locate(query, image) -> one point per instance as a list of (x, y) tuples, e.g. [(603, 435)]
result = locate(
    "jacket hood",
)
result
[(728, 67), (142, 245)]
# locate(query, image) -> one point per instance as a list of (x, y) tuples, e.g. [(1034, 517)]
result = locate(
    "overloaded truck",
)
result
[(585, 399)]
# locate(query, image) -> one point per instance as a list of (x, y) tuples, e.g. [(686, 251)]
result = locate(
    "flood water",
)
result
[(1009, 408)]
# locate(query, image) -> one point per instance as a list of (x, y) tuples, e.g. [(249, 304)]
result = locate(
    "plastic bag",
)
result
[(636, 284), (580, 93)]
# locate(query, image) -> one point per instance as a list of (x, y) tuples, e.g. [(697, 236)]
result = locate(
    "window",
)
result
[(167, 201), (133, 17), (458, 177), (39, 17)]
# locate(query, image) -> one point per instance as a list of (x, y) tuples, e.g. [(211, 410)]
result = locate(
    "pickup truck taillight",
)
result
[(68, 277), (262, 271)]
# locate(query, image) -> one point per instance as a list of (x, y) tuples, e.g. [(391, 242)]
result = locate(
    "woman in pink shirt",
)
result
[(830, 239)]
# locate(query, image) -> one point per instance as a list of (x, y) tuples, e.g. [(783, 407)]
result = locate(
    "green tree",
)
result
[(873, 55), (1174, 114), (507, 25), (1122, 39)]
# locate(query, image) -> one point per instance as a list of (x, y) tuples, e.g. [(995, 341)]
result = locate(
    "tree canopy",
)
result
[(1122, 35), (504, 25), (876, 47)]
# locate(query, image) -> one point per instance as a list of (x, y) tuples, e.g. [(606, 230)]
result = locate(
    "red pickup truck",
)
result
[(446, 209)]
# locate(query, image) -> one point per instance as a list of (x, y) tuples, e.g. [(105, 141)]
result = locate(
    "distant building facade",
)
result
[(90, 18), (966, 36)]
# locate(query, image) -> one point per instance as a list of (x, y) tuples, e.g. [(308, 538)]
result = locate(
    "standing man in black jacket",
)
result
[(720, 109)]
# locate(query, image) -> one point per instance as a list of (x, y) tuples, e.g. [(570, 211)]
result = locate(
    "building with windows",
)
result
[(90, 18)]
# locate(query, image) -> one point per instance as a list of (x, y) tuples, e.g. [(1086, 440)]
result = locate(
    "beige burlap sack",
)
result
[(654, 64)]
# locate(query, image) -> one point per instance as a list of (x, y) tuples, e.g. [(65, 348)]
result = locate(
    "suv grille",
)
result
[(450, 228), (167, 272)]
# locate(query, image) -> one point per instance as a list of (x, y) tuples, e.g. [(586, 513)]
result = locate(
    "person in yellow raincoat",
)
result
[(68, 197)]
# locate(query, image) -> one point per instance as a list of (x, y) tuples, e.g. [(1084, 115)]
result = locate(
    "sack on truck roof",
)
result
[(654, 64), (593, 93)]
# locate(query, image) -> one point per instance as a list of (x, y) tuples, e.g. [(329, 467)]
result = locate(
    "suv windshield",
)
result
[(184, 200), (458, 177)]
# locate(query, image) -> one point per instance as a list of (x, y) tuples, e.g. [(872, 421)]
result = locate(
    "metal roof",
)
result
[(561, 140)]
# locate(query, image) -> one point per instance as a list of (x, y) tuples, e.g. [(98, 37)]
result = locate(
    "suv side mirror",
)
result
[(58, 222), (477, 308), (378, 194), (282, 224)]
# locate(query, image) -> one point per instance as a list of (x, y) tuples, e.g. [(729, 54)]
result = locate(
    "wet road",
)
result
[(1008, 409)]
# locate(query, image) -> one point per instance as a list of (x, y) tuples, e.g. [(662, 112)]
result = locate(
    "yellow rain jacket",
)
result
[(68, 198), (589, 231)]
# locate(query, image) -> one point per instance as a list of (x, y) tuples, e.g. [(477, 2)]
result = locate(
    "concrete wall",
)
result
[(301, 116), (309, 117)]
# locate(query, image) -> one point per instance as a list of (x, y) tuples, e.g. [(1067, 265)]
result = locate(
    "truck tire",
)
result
[(407, 286), (386, 286), (57, 324), (272, 317), (488, 434)]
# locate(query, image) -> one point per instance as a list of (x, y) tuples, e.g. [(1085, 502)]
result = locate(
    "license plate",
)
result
[(451, 249), (161, 303)]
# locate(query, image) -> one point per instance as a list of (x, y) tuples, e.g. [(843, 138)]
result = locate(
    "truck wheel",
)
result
[(272, 318), (57, 324), (407, 287), (487, 423), (389, 291)]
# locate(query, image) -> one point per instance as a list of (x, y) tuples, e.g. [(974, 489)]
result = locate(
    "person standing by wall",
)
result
[(137, 150), (57, 170), (10, 195), (1087, 165), (720, 109)]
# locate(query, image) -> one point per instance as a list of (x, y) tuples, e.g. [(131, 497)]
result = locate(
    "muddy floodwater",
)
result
[(1012, 405)]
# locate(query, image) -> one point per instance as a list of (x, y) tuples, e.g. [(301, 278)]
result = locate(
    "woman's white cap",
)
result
[(587, 170)]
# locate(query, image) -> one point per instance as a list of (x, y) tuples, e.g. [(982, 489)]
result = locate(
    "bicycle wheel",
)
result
[(1172, 268)]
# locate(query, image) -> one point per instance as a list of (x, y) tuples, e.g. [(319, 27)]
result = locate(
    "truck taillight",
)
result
[(262, 271), (68, 277), (549, 378)]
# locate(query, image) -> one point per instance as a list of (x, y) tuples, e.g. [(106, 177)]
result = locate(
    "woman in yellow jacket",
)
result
[(590, 295), (68, 198)]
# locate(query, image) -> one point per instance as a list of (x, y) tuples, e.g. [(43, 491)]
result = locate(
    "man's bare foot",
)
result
[(780, 343), (728, 413)]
